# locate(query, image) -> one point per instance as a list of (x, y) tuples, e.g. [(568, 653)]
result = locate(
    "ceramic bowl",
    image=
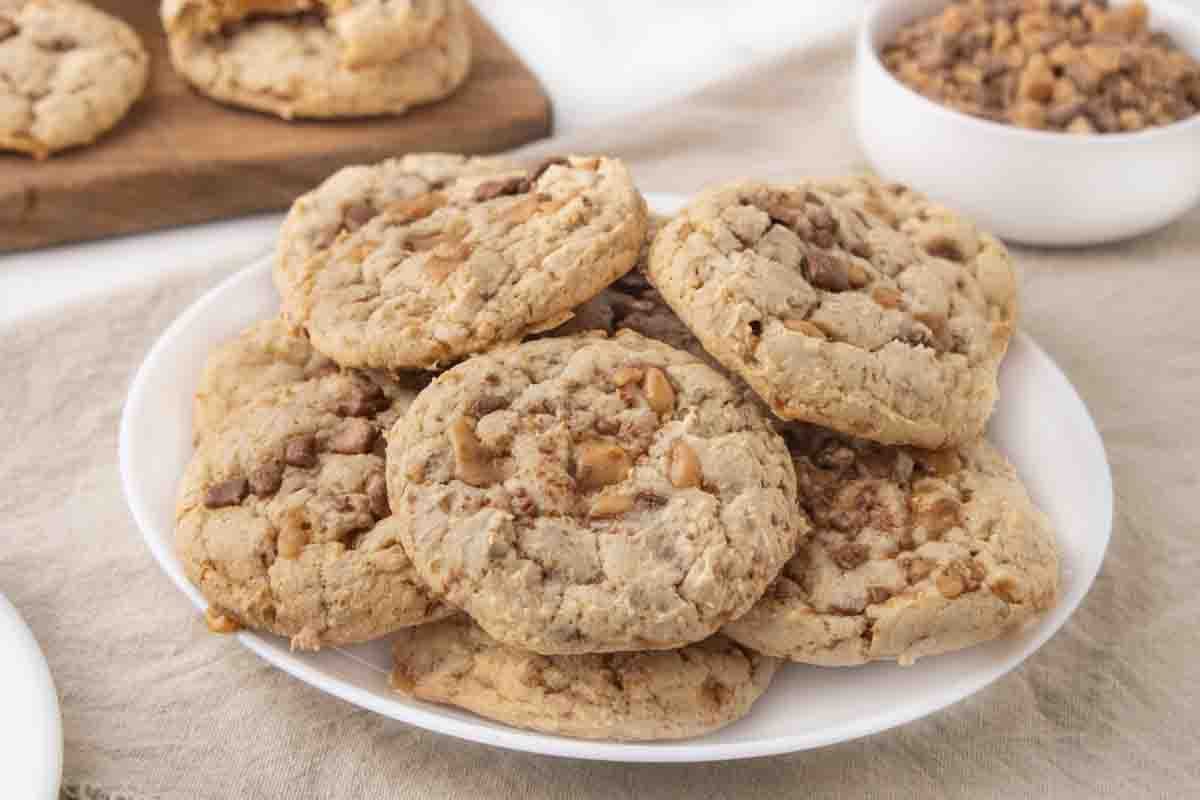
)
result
[(1027, 186)]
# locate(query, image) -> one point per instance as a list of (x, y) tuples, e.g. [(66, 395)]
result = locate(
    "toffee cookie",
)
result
[(853, 304), (630, 295), (320, 58), (369, 31), (283, 520), (68, 73), (603, 311), (913, 553), (665, 694), (632, 303), (419, 261), (588, 494), (263, 356)]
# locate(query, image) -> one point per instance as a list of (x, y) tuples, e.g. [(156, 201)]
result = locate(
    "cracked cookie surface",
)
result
[(417, 262), (588, 494), (68, 73), (913, 553), (265, 355), (320, 58), (666, 694), (850, 303), (283, 520), (370, 31)]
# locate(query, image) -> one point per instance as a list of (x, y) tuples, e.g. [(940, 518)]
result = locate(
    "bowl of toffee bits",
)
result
[(1054, 122)]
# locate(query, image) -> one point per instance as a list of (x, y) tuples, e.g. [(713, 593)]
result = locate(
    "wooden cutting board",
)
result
[(179, 157)]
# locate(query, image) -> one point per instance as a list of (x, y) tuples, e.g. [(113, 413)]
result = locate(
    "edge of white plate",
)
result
[(544, 744), (30, 660)]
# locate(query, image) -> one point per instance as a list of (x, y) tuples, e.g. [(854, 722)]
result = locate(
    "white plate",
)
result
[(1040, 424), (30, 725)]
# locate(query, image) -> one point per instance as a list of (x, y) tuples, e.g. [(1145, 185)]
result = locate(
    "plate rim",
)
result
[(43, 685), (550, 744)]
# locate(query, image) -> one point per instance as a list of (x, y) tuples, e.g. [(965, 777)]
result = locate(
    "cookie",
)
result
[(283, 520), (320, 58), (354, 195), (647, 696), (913, 553), (420, 261), (265, 355), (631, 302), (849, 303), (588, 494), (68, 73), (370, 31)]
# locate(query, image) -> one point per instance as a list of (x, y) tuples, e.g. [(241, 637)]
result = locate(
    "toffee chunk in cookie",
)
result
[(68, 73), (420, 261), (646, 696), (283, 520), (589, 494), (265, 355), (913, 553), (320, 58), (853, 304)]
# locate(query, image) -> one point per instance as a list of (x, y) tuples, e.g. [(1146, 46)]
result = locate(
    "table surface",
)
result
[(667, 48)]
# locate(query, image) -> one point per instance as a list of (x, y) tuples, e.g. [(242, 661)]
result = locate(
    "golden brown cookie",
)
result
[(265, 355), (420, 261), (283, 520), (648, 696), (854, 304), (589, 494), (913, 553), (68, 73), (320, 58)]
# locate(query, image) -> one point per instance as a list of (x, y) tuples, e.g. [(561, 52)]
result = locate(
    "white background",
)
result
[(596, 59)]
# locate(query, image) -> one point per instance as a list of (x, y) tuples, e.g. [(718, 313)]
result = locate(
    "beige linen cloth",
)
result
[(155, 707)]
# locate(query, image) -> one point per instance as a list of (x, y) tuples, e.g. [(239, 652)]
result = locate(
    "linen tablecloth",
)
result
[(155, 707)]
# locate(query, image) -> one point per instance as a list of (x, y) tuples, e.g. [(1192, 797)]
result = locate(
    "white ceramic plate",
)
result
[(1040, 424), (30, 725)]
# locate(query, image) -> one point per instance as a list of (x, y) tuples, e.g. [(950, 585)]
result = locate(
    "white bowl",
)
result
[(1040, 424), (1034, 187)]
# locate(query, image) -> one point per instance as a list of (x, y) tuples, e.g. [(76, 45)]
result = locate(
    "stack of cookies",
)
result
[(599, 474)]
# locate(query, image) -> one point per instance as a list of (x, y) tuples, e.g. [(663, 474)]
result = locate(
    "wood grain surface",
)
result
[(180, 158)]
